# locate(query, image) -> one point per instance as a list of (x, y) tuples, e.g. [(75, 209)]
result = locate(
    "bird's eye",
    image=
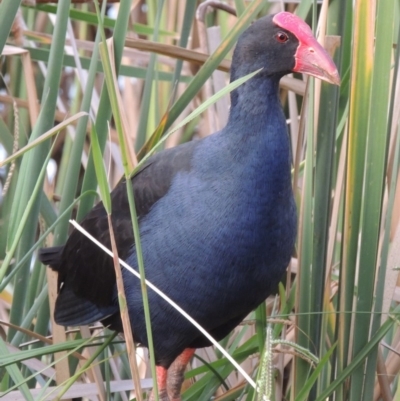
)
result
[(281, 37)]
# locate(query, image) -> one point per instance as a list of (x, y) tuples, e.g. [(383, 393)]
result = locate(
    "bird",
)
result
[(217, 215)]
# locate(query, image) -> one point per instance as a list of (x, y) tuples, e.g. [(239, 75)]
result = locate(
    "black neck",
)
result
[(255, 99)]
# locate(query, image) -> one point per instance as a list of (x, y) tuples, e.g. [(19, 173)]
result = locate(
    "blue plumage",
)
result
[(220, 239), (217, 216)]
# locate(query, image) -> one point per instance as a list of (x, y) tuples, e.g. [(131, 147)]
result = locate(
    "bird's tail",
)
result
[(51, 256), (72, 310)]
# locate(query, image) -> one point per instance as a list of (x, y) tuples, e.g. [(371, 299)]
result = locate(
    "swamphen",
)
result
[(217, 216)]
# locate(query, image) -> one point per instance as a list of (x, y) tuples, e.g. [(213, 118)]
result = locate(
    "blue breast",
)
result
[(221, 238)]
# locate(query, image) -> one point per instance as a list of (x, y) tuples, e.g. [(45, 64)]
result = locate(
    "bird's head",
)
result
[(281, 44)]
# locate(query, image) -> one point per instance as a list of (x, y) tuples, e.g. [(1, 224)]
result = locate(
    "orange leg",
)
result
[(176, 374), (161, 384)]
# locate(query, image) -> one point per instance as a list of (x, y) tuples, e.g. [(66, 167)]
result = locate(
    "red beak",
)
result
[(311, 58)]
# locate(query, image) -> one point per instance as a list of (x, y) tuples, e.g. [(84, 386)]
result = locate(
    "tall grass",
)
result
[(333, 331)]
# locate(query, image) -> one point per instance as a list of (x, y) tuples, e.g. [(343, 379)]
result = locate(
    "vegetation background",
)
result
[(333, 333)]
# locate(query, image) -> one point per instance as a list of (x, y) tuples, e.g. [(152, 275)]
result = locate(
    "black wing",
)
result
[(80, 263)]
